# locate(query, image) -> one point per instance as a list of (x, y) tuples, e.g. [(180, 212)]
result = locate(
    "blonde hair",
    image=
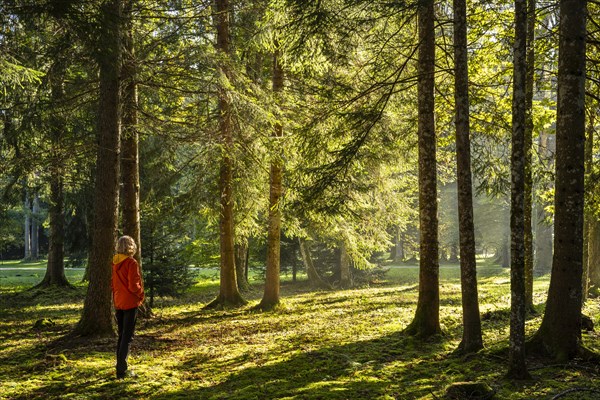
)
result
[(126, 245)]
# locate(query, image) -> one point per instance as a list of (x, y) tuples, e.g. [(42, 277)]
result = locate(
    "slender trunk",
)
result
[(345, 267), (271, 294), (427, 316), (247, 264), (97, 317), (442, 253), (594, 257), (314, 278), (35, 228), (130, 171), (453, 257), (241, 265), (294, 268), (543, 242), (517, 369), (472, 340), (55, 270), (560, 331), (398, 247), (130, 165), (27, 227), (589, 216), (528, 148), (229, 293), (543, 232), (504, 253)]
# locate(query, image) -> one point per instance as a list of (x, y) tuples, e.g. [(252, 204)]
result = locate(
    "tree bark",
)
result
[(55, 270), (271, 294), (589, 217), (594, 256), (560, 331), (294, 267), (97, 316), (504, 253), (345, 267), (35, 228), (453, 257), (472, 340), (517, 368), (543, 233), (528, 148), (241, 265), (27, 227), (130, 171), (427, 321), (314, 278), (229, 294), (398, 250)]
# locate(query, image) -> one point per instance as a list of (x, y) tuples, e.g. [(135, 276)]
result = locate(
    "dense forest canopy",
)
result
[(348, 111)]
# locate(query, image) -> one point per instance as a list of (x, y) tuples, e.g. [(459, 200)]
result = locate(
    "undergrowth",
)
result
[(317, 345)]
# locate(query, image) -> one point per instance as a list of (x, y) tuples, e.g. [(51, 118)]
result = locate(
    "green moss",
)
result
[(315, 345)]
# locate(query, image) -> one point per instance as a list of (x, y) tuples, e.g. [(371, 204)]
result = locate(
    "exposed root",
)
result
[(220, 304)]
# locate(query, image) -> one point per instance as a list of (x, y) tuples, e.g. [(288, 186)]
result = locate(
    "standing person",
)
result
[(128, 294)]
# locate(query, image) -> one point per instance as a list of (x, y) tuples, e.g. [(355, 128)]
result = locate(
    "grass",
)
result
[(343, 344)]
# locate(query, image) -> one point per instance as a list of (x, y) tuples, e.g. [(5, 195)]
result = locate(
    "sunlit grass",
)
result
[(343, 344)]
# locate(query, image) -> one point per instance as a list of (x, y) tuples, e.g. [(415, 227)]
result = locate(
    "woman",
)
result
[(128, 295)]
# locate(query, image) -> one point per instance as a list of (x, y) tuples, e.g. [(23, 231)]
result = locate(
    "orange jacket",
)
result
[(127, 287)]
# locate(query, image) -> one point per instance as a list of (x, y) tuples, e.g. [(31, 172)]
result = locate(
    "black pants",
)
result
[(126, 325)]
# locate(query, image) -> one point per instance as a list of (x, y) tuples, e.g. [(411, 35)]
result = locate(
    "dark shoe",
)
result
[(126, 374)]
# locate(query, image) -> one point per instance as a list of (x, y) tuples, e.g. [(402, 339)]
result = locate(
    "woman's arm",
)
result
[(135, 279)]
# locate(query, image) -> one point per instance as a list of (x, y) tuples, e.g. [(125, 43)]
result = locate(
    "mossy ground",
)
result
[(343, 344)]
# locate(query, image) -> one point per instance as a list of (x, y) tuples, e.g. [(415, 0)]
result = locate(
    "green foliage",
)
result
[(10, 230), (167, 277), (15, 76)]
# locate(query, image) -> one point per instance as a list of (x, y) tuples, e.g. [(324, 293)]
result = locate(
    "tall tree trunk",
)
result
[(594, 257), (503, 253), (229, 293), (241, 265), (543, 232), (528, 149), (314, 278), (560, 331), (427, 316), (517, 368), (272, 283), (471, 340), (35, 227), (27, 227), (97, 317), (589, 217), (453, 256), (55, 270), (345, 267), (398, 251), (130, 164), (294, 267), (130, 171)]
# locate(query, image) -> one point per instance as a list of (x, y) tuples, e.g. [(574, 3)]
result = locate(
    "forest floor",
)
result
[(344, 344)]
